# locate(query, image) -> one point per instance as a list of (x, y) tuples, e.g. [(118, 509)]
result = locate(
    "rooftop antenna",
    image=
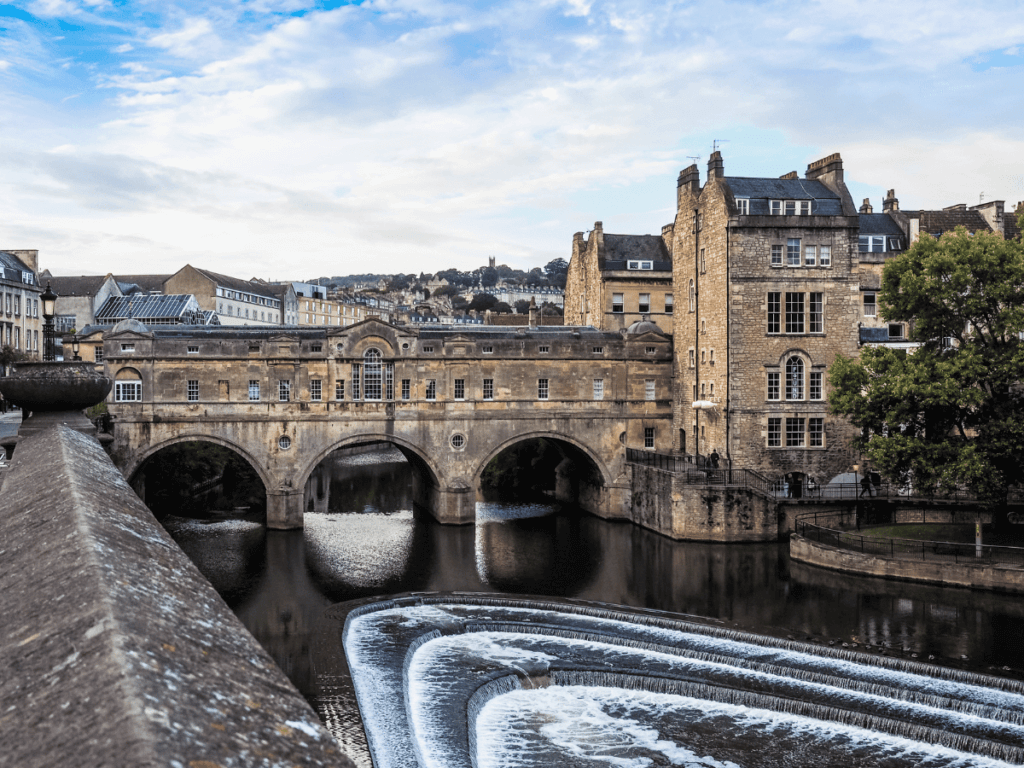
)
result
[(981, 198), (695, 158), (716, 142)]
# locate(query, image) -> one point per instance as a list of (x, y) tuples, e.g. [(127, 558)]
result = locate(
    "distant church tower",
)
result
[(490, 262)]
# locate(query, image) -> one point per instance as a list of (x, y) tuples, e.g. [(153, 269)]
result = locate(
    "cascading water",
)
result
[(488, 682)]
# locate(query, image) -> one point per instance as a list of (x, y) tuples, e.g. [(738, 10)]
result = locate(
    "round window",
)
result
[(284, 442), (458, 441)]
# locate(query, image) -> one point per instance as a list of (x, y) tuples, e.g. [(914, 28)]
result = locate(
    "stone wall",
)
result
[(664, 502), (116, 651), (999, 578)]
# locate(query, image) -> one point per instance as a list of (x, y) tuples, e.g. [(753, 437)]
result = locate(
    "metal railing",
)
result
[(700, 470), (911, 549)]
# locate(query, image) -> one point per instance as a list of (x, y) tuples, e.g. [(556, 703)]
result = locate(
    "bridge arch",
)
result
[(606, 476), (414, 453), (139, 459)]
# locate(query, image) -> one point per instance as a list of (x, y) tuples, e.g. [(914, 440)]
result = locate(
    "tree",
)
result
[(501, 308), (481, 302), (556, 271), (488, 277), (950, 412), (522, 306)]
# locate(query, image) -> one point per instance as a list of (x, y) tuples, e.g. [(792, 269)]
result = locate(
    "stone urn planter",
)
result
[(55, 386)]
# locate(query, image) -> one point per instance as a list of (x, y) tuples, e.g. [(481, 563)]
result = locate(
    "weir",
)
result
[(460, 680)]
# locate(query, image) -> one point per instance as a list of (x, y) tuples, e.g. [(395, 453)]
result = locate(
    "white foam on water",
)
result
[(585, 726), (364, 550)]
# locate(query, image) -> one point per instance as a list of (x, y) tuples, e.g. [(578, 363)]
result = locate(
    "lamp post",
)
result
[(75, 345), (49, 299)]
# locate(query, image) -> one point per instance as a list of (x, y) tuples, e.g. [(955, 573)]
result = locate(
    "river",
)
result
[(366, 540)]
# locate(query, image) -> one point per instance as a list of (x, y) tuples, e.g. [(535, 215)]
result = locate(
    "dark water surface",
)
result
[(365, 540)]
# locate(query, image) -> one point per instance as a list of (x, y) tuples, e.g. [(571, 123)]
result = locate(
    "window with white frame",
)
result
[(790, 207), (644, 305), (617, 302), (373, 375), (254, 389), (871, 244), (284, 390), (127, 347), (896, 330), (776, 255), (127, 391), (649, 389), (794, 432), (599, 389), (639, 265), (193, 349), (649, 438), (693, 297), (793, 252), (773, 385), (814, 385), (488, 350), (743, 206), (825, 254), (794, 379), (544, 349), (598, 350), (703, 262), (668, 304), (315, 390), (406, 389), (488, 389), (870, 307), (774, 432), (192, 390), (542, 389), (810, 255)]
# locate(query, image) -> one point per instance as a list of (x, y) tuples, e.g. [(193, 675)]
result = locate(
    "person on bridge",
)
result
[(865, 486)]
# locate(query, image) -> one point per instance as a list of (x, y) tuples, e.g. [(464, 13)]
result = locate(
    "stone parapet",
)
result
[(115, 649)]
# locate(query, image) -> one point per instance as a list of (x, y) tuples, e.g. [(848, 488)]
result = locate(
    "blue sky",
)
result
[(288, 139)]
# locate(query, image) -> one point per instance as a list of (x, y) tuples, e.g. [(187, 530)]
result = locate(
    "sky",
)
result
[(284, 139)]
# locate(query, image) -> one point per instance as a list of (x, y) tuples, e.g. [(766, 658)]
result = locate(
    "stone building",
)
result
[(767, 271), (616, 280), (236, 301), (20, 318)]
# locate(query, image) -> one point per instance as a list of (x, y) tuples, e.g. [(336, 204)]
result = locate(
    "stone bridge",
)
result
[(449, 399)]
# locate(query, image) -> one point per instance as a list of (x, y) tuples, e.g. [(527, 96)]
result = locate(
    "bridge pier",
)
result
[(284, 508)]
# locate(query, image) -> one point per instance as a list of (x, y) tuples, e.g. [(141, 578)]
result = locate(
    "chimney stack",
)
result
[(689, 178), (831, 167), (716, 168), (534, 311), (866, 207), (790, 175), (889, 202)]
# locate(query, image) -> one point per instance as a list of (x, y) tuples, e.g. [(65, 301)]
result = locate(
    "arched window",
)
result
[(372, 378), (693, 297), (128, 386), (794, 379)]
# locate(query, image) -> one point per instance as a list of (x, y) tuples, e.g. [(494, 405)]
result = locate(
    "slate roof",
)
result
[(238, 284), (879, 224), (11, 268), (618, 249), (147, 283), (149, 307), (79, 285), (760, 191), (934, 222)]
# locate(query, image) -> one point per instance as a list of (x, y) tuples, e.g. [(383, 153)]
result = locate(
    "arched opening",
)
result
[(201, 479), (542, 466), (365, 522)]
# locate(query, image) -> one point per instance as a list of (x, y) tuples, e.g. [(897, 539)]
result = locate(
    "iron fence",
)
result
[(911, 549), (700, 470)]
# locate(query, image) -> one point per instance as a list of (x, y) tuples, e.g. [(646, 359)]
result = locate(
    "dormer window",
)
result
[(871, 244), (640, 265), (790, 207), (743, 206)]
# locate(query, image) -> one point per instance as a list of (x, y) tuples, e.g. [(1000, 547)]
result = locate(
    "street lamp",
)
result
[(75, 344), (49, 299)]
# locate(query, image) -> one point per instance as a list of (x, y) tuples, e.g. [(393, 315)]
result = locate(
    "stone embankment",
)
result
[(115, 651)]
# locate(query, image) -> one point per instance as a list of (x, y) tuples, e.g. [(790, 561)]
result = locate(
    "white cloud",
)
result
[(418, 135)]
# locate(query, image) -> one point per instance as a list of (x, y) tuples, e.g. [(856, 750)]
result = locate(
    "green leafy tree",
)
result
[(950, 412), (556, 271), (482, 301)]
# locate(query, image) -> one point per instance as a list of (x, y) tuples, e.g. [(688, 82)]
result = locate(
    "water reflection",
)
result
[(363, 539)]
